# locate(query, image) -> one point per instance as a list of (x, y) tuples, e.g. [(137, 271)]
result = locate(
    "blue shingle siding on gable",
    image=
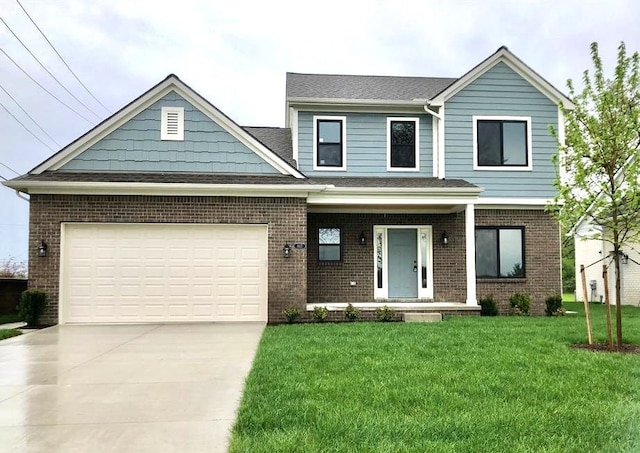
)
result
[(501, 92), (136, 146), (366, 145)]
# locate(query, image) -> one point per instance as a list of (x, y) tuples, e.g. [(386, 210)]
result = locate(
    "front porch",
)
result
[(368, 309)]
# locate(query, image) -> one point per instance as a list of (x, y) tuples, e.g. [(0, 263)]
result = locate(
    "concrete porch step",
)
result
[(422, 317)]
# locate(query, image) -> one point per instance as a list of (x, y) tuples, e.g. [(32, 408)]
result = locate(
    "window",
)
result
[(329, 244), (403, 144), (172, 123), (500, 252), (329, 143), (502, 143)]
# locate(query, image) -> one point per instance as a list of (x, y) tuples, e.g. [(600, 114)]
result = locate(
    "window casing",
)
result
[(329, 245), (403, 144), (329, 143), (500, 252), (502, 143)]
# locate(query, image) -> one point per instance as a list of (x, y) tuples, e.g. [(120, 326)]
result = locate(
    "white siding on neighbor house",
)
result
[(137, 146), (588, 252), (501, 92)]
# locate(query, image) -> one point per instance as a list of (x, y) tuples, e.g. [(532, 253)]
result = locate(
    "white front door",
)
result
[(403, 262)]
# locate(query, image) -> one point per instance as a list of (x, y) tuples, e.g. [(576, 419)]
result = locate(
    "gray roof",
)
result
[(277, 139), (394, 182), (328, 86)]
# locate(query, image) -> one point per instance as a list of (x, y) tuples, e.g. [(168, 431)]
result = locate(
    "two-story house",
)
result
[(424, 194)]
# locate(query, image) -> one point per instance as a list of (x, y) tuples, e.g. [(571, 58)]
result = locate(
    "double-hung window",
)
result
[(502, 143), (403, 144), (329, 245), (329, 143), (500, 252)]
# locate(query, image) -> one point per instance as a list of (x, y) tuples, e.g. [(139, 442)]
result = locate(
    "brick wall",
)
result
[(331, 282), (286, 218), (542, 258)]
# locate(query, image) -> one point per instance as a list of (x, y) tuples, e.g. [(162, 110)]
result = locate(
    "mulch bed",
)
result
[(603, 347)]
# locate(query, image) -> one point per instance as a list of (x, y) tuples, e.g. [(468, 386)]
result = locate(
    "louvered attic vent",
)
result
[(172, 127)]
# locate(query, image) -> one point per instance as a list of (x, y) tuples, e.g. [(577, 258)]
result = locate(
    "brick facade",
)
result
[(542, 258), (286, 219)]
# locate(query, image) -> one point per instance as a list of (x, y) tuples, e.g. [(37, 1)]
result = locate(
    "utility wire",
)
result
[(9, 168), (25, 127), (3, 178), (62, 59), (30, 117), (47, 70), (47, 91)]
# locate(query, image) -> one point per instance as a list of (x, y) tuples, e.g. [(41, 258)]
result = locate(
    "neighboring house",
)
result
[(419, 193), (592, 253)]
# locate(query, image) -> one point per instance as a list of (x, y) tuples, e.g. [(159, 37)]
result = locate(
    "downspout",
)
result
[(19, 195), (431, 112), (437, 141)]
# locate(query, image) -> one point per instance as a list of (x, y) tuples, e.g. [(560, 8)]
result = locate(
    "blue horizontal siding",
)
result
[(366, 145), (501, 92), (136, 146)]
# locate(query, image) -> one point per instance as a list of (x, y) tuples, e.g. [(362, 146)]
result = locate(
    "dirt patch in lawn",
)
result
[(603, 347)]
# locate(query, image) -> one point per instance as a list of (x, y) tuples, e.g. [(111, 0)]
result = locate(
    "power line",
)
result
[(47, 91), (9, 168), (27, 113), (62, 59), (25, 127), (47, 70)]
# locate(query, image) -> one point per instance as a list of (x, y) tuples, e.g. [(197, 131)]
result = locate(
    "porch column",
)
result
[(470, 232)]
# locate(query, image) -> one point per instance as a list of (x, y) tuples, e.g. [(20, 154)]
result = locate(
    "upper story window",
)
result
[(172, 123), (403, 144), (329, 143), (500, 252), (501, 143)]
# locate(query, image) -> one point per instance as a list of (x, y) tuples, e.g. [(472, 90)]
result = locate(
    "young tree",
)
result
[(599, 161)]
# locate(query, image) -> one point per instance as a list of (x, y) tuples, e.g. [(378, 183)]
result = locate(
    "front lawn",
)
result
[(463, 385), (8, 333)]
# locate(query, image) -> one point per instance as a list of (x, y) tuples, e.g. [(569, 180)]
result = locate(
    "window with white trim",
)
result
[(502, 143), (403, 144), (329, 245), (500, 252), (329, 143), (172, 123)]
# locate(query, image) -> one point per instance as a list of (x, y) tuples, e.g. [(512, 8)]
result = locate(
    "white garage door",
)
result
[(128, 273)]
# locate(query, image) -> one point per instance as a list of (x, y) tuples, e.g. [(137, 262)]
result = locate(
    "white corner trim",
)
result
[(441, 145), (317, 167), (470, 249), (172, 123), (526, 119), (415, 121)]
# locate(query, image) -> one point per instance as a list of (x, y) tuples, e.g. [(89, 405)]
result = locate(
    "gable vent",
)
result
[(172, 124)]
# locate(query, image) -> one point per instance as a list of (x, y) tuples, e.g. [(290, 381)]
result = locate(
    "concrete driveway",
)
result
[(125, 388)]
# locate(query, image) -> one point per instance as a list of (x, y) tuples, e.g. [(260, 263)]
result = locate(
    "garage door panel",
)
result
[(163, 273)]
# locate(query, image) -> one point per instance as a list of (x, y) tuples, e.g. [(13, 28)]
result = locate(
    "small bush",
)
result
[(292, 314), (488, 306), (320, 314), (351, 313), (31, 306), (554, 306), (520, 304), (385, 313)]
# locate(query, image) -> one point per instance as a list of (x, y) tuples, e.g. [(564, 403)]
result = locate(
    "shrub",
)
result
[(31, 306), (488, 306), (320, 314), (385, 313), (520, 304), (554, 306), (351, 313), (291, 313)]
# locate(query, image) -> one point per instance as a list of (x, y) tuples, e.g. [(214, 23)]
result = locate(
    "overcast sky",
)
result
[(236, 54)]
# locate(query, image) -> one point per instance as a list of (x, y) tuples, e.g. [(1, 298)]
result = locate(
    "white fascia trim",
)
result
[(397, 199), (343, 119), (505, 56), (415, 121), (170, 84), (167, 189), (316, 102), (512, 203), (526, 119), (388, 209)]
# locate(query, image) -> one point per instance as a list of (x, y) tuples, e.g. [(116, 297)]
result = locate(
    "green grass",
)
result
[(6, 319), (8, 333), (463, 385), (568, 297)]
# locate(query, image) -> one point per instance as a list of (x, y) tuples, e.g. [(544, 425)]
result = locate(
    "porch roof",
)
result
[(396, 182)]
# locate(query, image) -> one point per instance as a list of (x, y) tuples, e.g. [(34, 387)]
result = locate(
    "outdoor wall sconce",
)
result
[(444, 238), (286, 250), (362, 239), (42, 249)]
